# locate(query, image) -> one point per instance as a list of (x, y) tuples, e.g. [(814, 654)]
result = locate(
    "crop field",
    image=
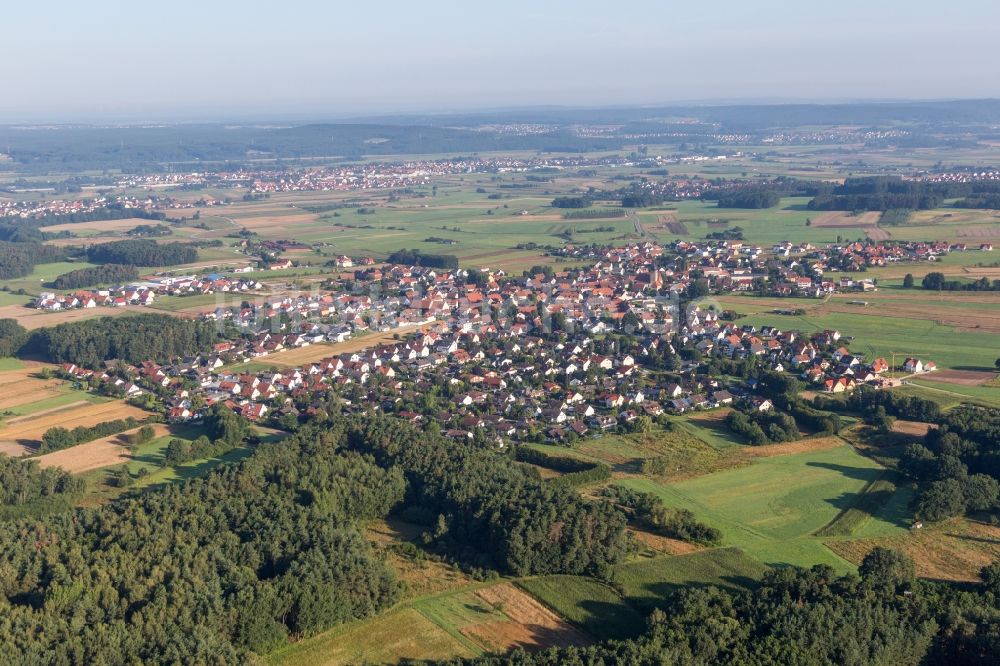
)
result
[(84, 410), (772, 508), (97, 227), (19, 386), (33, 319), (877, 333)]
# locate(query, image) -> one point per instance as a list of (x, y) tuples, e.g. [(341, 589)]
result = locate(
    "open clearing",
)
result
[(28, 430), (771, 508)]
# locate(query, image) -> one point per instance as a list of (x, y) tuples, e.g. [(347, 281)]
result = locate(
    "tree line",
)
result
[(892, 192), (57, 438), (418, 258)]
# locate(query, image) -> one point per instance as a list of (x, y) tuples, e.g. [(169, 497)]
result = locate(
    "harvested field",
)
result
[(28, 430), (104, 452), (102, 225), (963, 377), (33, 319), (664, 544), (532, 626), (18, 387), (878, 234), (953, 550), (843, 219), (979, 231)]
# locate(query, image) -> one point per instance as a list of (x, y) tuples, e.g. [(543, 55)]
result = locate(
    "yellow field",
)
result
[(31, 318), (28, 430)]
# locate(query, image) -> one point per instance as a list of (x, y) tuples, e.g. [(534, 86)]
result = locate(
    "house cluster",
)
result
[(144, 292)]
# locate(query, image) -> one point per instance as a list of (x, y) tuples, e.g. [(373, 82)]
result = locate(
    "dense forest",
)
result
[(142, 252), (19, 259), (135, 339), (750, 198), (12, 337), (87, 277), (23, 482)]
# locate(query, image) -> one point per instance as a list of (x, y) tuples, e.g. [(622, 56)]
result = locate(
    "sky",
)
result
[(111, 60)]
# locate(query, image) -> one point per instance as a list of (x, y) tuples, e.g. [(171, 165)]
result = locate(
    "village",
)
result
[(508, 358)]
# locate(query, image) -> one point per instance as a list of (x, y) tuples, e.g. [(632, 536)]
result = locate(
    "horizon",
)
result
[(189, 61)]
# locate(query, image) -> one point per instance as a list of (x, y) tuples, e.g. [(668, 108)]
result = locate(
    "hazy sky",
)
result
[(209, 59)]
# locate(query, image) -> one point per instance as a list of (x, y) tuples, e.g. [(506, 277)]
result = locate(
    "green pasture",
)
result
[(772, 508)]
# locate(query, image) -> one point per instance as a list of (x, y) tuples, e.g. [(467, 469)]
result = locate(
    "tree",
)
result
[(933, 281), (887, 568), (144, 434), (908, 281), (12, 337), (942, 499), (56, 439)]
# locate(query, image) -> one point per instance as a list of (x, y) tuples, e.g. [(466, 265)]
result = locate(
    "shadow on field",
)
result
[(860, 473)]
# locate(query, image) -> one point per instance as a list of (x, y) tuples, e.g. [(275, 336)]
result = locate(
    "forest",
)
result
[(144, 337), (19, 259), (891, 192), (87, 277), (142, 252)]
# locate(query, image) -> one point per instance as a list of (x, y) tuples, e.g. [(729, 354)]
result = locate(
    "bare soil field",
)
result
[(316, 352), (99, 453), (532, 626), (843, 219), (953, 550), (28, 430), (963, 377), (916, 429), (31, 318), (877, 234)]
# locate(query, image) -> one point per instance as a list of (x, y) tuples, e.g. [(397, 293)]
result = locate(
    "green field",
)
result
[(772, 508), (589, 604), (880, 336), (403, 633), (7, 364)]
